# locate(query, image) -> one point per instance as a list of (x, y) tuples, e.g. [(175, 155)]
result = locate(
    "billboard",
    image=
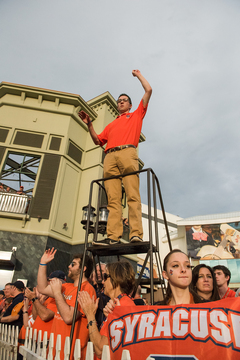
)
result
[(214, 242)]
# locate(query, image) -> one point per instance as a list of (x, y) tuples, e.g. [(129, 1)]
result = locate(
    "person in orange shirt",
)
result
[(122, 138), (65, 297), (119, 283), (223, 276), (14, 315)]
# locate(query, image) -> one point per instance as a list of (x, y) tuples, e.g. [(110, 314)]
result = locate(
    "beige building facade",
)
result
[(45, 147)]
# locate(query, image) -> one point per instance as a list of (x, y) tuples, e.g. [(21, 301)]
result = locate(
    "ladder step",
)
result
[(148, 281), (121, 249)]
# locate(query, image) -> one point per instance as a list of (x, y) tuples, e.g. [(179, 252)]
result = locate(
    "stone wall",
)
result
[(30, 249)]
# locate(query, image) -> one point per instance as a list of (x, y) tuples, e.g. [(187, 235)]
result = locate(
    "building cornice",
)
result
[(104, 99), (210, 219), (56, 97)]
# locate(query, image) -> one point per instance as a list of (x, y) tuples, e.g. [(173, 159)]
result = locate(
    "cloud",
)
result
[(188, 50)]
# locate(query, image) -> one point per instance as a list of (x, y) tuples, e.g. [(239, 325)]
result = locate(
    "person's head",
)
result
[(197, 227), (119, 275), (177, 271), (17, 287), (96, 276), (138, 293), (75, 267), (204, 282), (7, 290), (124, 103), (222, 274)]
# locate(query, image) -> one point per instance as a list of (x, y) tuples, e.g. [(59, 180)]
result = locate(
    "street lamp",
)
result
[(85, 215), (102, 219)]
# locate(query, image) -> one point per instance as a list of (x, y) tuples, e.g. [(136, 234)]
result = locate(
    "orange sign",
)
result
[(199, 331)]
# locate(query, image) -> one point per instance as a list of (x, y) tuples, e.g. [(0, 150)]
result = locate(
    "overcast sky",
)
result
[(189, 52)]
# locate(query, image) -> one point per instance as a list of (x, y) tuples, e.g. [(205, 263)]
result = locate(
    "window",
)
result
[(20, 170)]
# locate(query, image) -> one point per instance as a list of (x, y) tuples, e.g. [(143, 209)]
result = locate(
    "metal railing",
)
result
[(8, 342), (13, 203)]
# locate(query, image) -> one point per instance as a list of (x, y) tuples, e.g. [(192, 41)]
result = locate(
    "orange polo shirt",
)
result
[(124, 130)]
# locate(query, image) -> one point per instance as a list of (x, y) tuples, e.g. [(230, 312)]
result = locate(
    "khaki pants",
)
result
[(116, 163)]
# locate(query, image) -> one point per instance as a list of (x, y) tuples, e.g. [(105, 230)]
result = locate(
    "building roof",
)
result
[(211, 219)]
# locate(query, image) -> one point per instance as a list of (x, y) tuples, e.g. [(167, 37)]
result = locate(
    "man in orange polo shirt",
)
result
[(122, 137)]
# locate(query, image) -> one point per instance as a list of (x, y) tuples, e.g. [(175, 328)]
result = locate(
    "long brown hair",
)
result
[(122, 274), (195, 276)]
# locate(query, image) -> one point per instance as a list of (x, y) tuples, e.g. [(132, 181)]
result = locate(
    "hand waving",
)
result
[(48, 256), (84, 116)]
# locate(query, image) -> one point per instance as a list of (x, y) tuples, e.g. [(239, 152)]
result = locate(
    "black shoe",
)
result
[(135, 239), (104, 242), (113, 242)]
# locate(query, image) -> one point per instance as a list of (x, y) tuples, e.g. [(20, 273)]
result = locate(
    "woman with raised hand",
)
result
[(119, 283), (204, 282)]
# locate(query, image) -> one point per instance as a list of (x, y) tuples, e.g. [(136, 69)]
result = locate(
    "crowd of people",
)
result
[(50, 305), (6, 189)]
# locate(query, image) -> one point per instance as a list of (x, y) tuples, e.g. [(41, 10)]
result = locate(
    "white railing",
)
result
[(8, 342), (35, 348), (13, 203)]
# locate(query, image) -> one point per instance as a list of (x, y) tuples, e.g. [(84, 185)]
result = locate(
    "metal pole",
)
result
[(150, 237), (82, 267)]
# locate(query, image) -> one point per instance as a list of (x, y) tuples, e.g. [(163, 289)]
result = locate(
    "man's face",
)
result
[(103, 268), (74, 269), (7, 291), (123, 104), (221, 279)]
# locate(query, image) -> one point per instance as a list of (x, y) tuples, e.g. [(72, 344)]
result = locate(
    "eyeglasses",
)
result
[(120, 100), (106, 276)]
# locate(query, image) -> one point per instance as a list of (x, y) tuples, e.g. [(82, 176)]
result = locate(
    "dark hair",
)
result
[(88, 263), (195, 277), (196, 297), (224, 269), (122, 274), (129, 99)]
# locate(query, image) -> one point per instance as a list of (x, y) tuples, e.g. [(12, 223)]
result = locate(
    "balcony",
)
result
[(14, 203)]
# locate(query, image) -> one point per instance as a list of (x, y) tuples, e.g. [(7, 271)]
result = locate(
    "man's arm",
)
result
[(145, 85), (10, 318), (15, 313), (89, 307), (43, 286), (86, 119), (65, 310), (44, 313)]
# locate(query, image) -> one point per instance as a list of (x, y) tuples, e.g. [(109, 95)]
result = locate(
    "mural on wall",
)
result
[(214, 242)]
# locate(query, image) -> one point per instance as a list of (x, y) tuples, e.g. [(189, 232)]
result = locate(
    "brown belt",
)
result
[(117, 148)]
